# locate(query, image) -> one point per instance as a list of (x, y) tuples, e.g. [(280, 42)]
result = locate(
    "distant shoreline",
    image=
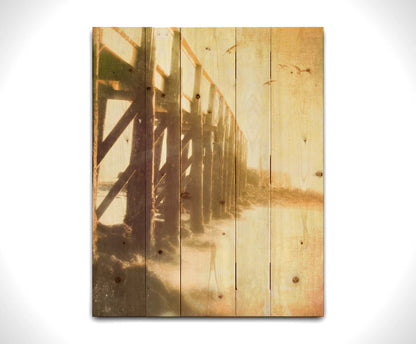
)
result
[(287, 197)]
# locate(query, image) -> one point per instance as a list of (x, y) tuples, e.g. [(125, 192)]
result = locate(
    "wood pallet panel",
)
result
[(207, 171)]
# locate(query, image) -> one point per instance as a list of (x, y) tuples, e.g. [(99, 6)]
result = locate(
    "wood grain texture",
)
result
[(253, 226), (207, 172), (207, 252), (162, 254), (297, 155), (118, 279)]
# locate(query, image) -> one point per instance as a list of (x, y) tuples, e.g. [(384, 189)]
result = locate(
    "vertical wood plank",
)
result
[(136, 193), (297, 165), (163, 254), (252, 238), (207, 256), (119, 269)]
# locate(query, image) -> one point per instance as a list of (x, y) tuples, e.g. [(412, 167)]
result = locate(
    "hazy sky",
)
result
[(273, 81)]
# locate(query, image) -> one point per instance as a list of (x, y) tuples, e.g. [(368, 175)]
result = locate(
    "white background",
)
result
[(370, 171)]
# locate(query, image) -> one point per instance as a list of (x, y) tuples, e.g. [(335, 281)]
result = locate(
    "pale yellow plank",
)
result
[(297, 166), (207, 251), (253, 225)]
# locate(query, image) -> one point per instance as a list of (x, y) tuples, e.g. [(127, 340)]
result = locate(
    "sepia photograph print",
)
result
[(208, 172)]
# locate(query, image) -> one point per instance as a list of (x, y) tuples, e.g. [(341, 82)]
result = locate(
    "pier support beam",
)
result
[(217, 177), (225, 172), (173, 149), (136, 198), (196, 190), (208, 156)]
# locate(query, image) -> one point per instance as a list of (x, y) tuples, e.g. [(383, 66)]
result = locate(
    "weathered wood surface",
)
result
[(162, 172), (162, 256), (207, 172), (297, 151), (120, 290), (207, 254), (253, 231)]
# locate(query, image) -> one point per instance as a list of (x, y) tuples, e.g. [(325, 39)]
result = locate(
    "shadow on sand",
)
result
[(120, 277)]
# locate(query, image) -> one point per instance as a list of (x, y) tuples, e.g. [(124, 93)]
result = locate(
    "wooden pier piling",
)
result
[(196, 187), (208, 142), (172, 102), (217, 176)]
